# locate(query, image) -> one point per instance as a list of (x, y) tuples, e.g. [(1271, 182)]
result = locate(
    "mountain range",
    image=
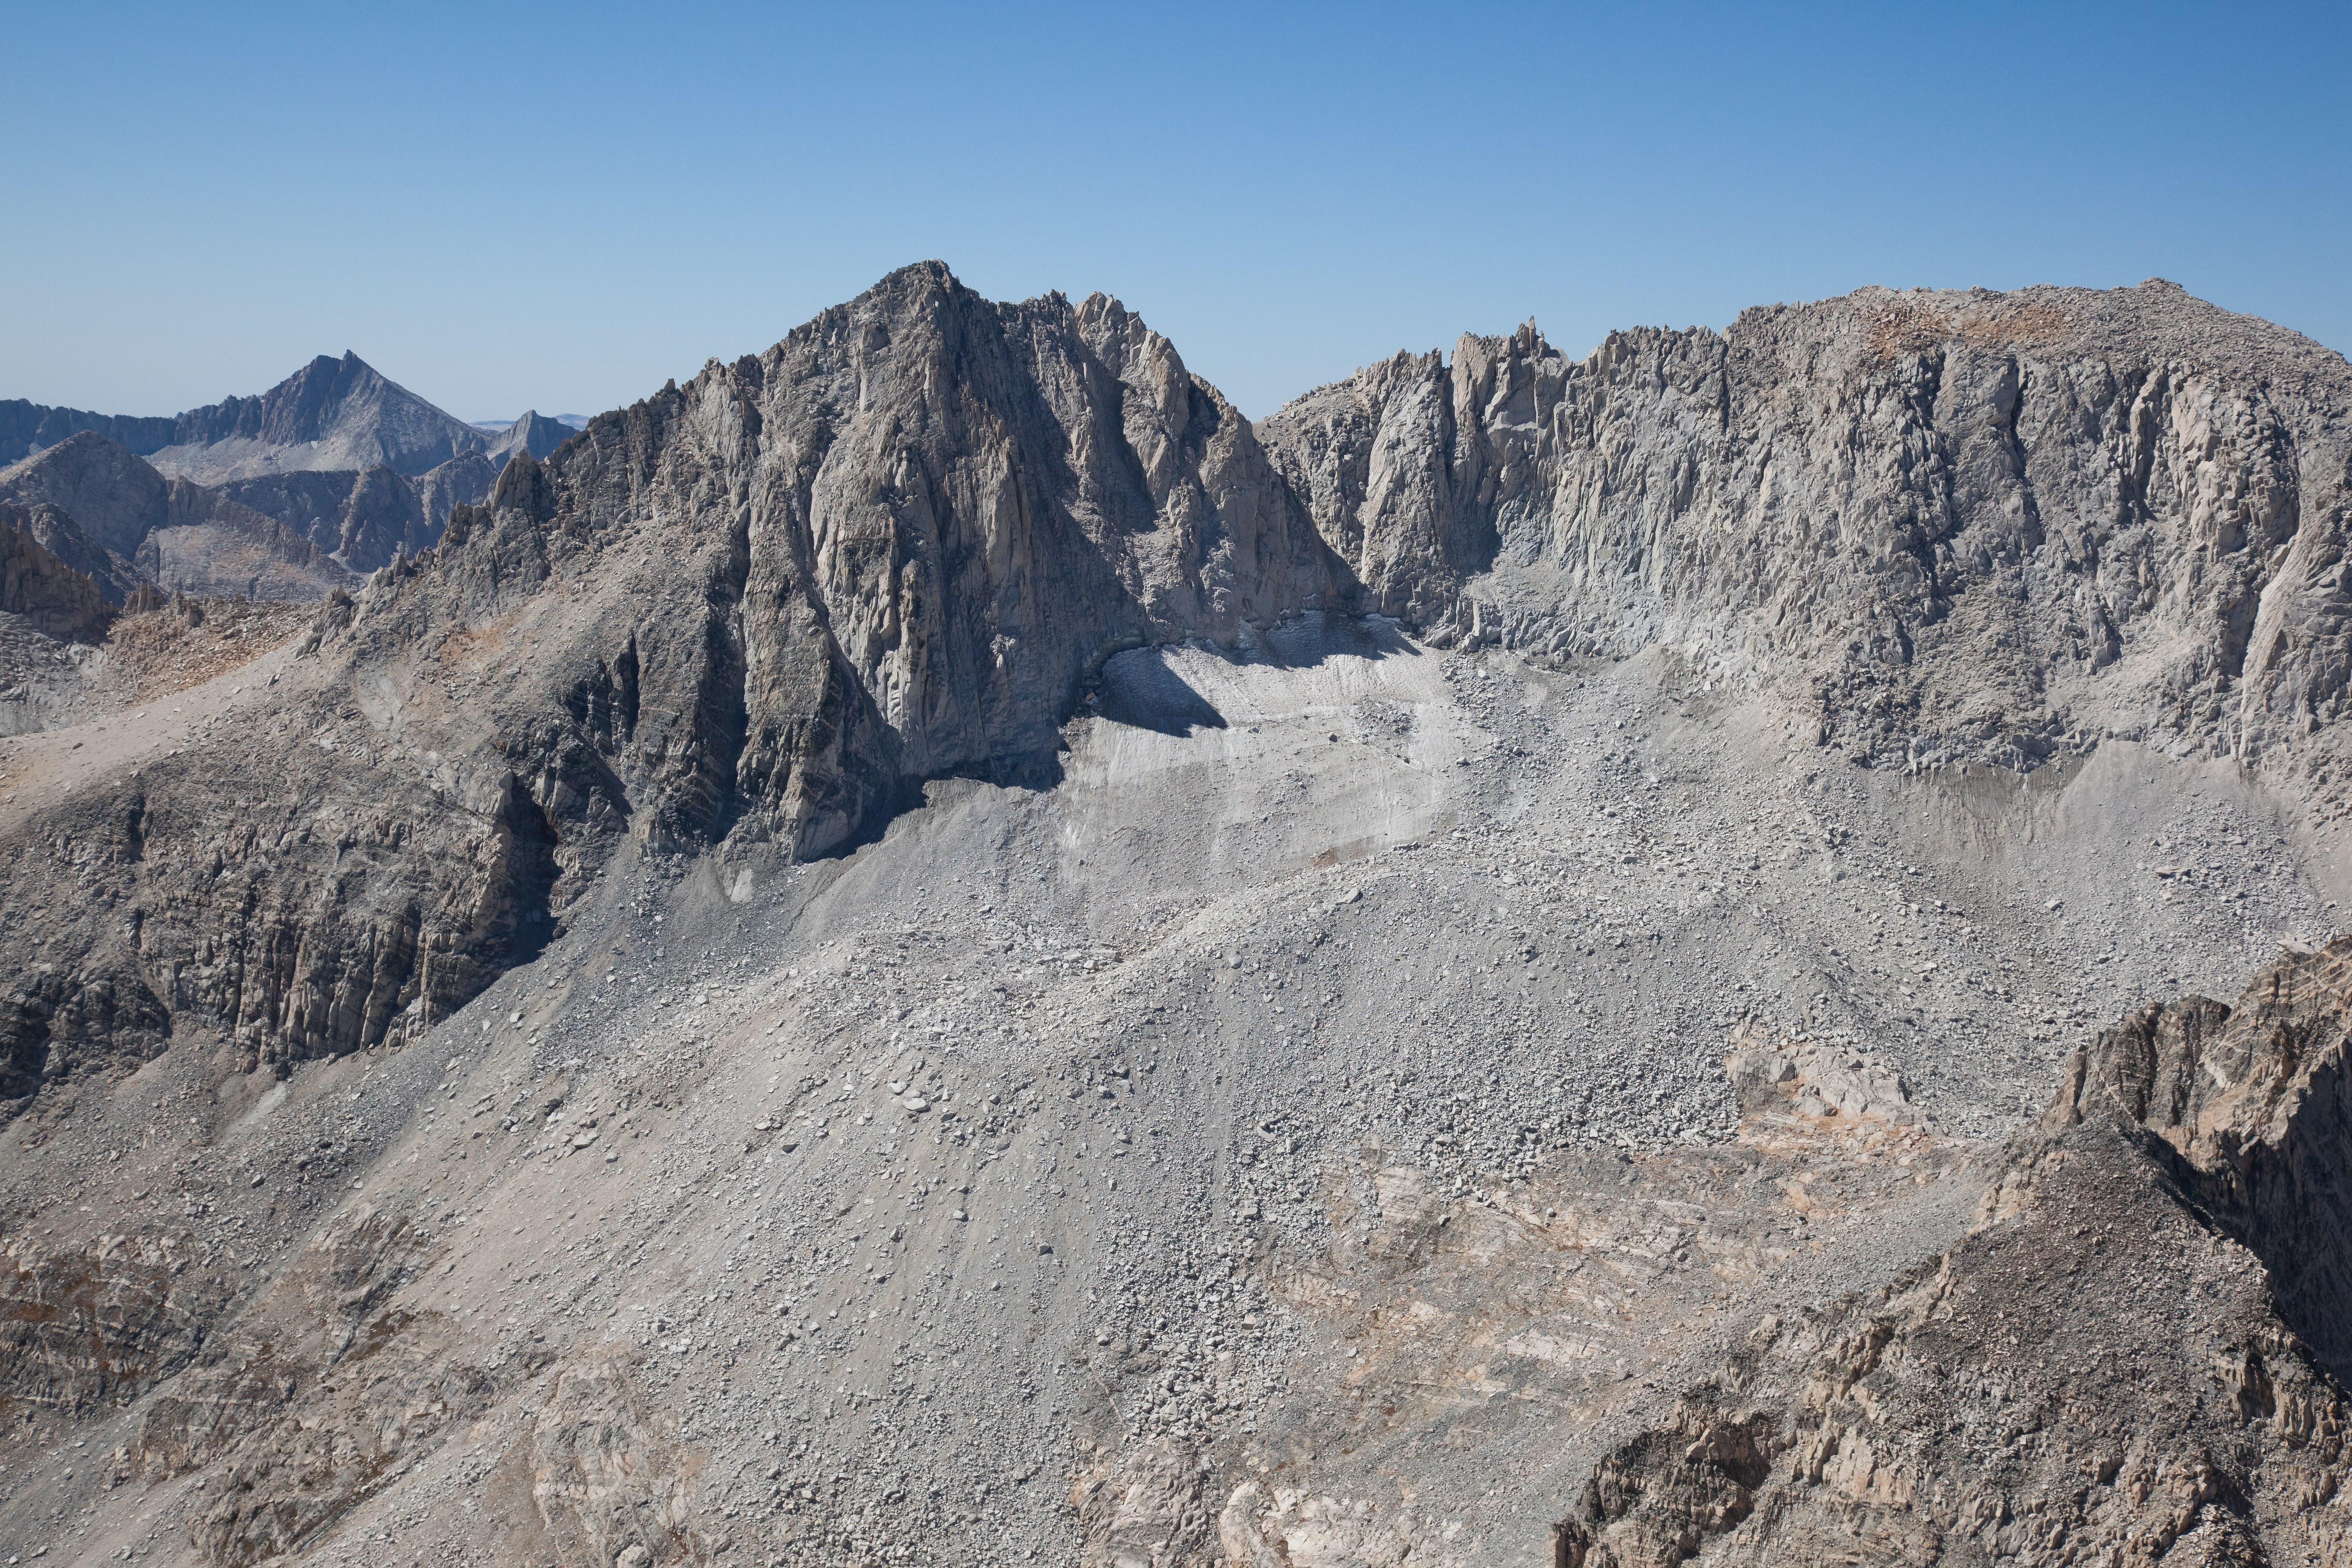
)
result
[(930, 944), (333, 470), (332, 415)]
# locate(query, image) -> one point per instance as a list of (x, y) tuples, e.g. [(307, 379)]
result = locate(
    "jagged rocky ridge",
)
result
[(2138, 1351), (1968, 524), (760, 608), (28, 428)]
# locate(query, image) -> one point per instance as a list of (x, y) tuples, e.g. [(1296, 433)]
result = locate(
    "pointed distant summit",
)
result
[(533, 433), (356, 465), (333, 413)]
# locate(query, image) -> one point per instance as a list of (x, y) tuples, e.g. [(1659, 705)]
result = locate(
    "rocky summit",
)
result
[(930, 946)]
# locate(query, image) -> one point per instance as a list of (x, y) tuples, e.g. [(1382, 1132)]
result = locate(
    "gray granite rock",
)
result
[(697, 1119), (1965, 524), (51, 596)]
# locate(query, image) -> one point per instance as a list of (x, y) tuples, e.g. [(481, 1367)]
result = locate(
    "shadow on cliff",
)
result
[(531, 875), (1145, 687), (1142, 689)]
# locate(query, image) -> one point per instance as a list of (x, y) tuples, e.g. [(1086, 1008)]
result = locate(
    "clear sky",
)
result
[(560, 206)]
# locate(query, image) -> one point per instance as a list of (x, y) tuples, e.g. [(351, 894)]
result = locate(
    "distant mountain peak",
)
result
[(536, 434), (331, 414)]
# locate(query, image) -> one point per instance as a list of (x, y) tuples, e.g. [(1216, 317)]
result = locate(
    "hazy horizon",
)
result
[(1286, 196), (582, 414)]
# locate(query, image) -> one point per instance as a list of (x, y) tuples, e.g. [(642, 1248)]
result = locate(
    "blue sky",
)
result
[(560, 206)]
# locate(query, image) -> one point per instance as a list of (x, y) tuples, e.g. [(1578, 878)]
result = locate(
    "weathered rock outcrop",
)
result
[(610, 1479), (1817, 1080), (85, 1328), (2257, 1099), (1153, 1510), (54, 598), (2137, 1350), (265, 886), (1969, 524)]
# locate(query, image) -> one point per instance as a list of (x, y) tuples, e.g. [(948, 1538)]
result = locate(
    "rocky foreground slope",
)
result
[(2136, 1354), (932, 944)]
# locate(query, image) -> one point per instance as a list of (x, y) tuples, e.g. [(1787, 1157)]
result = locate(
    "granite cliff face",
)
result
[(891, 547), (760, 607), (1967, 525)]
